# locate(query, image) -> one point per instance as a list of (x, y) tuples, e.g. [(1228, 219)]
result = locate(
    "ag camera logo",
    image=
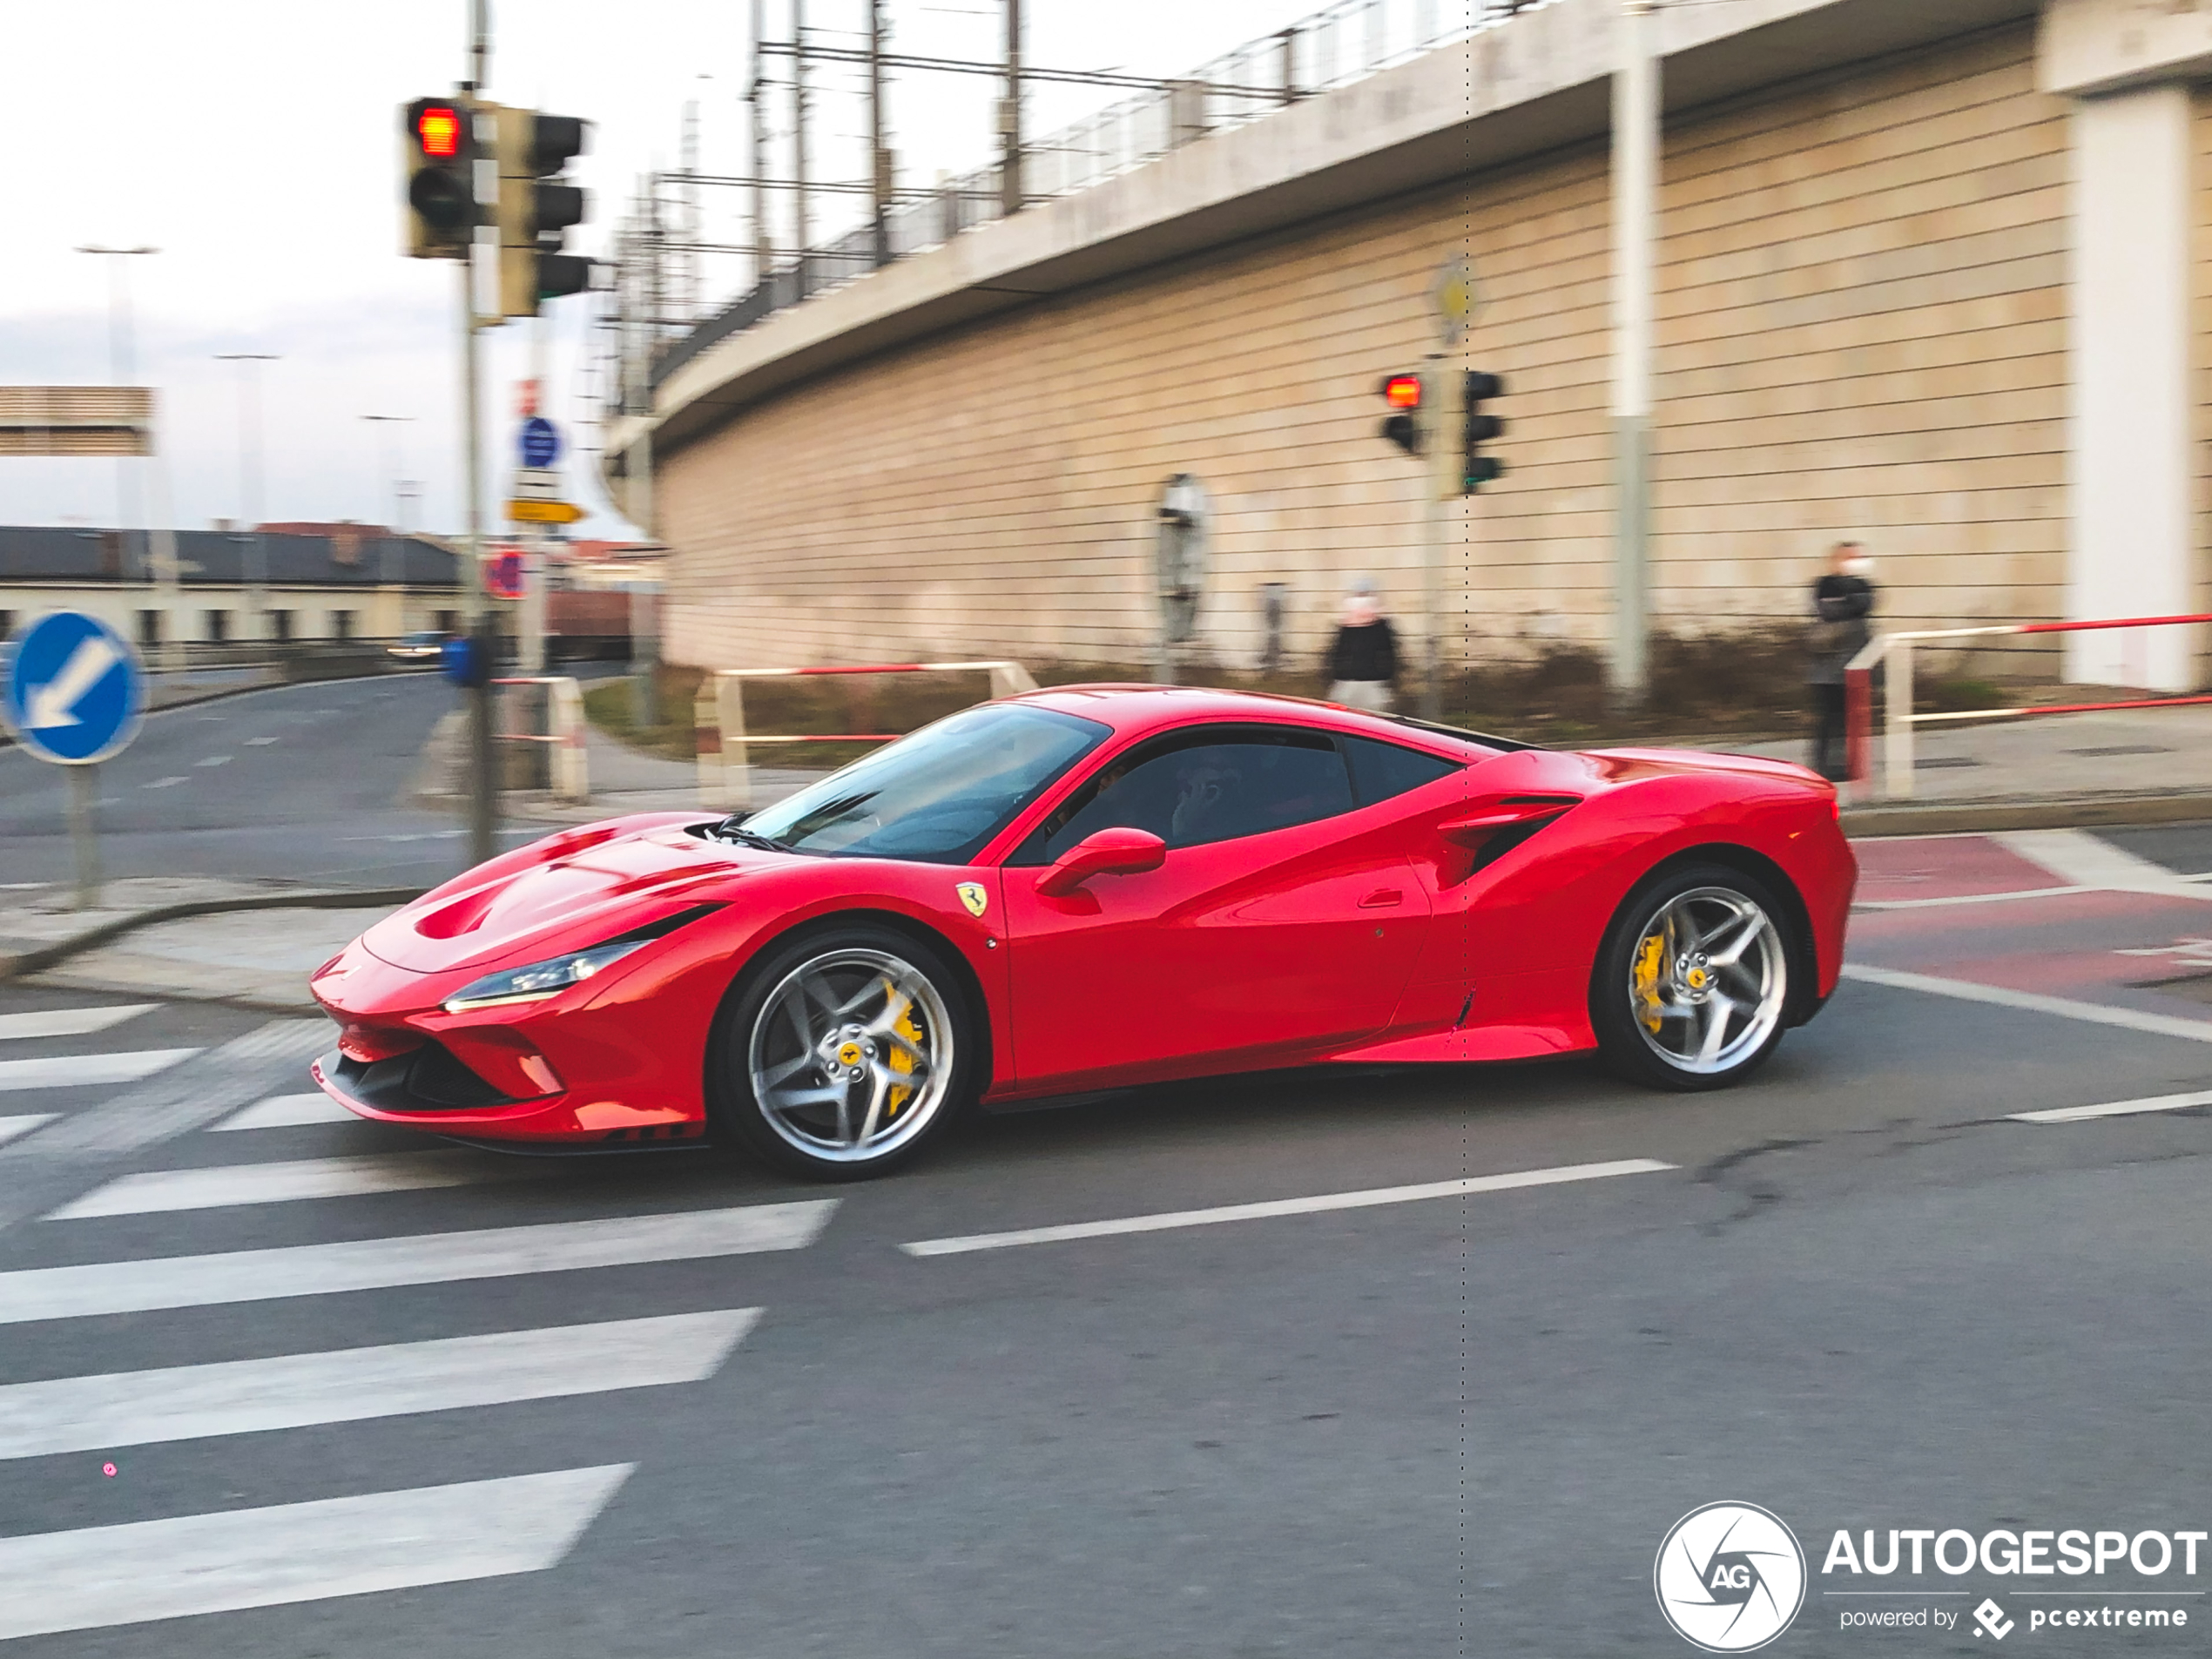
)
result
[(1730, 1577)]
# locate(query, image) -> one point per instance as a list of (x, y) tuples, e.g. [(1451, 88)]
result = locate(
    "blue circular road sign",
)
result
[(541, 442), (71, 688)]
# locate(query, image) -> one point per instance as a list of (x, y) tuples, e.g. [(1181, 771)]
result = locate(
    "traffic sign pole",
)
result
[(483, 793), (84, 833), (73, 689)]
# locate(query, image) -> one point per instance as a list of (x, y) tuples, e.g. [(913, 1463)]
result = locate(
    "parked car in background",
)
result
[(425, 647)]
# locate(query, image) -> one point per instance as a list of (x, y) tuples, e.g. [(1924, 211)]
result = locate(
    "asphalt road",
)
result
[(300, 781), (1862, 1295)]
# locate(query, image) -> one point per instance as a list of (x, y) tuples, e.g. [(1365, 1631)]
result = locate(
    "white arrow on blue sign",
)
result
[(72, 689), (541, 442)]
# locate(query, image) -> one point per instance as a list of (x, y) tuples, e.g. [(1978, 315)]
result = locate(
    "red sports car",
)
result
[(1086, 888)]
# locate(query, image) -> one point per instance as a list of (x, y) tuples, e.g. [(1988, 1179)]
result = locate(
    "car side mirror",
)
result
[(1107, 851)]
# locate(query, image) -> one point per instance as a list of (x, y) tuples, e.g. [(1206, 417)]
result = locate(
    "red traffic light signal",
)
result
[(1402, 426), (437, 129)]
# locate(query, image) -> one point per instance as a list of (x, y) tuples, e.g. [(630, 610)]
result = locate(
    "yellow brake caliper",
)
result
[(902, 1060), (1651, 956)]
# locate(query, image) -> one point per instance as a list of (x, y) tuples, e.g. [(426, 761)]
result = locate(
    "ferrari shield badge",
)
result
[(972, 895)]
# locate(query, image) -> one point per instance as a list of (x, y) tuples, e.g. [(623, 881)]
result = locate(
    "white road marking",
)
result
[(155, 1190), (282, 1112), (352, 1385), (164, 783), (99, 1576), (1320, 1202), (258, 742), (69, 1022), (2091, 862), (72, 1070), (12, 1127), (1969, 898), (2163, 1025), (2115, 1109), (214, 760), (93, 1288)]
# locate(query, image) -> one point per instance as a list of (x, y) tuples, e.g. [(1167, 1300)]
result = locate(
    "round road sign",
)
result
[(71, 688), (541, 442), (504, 574)]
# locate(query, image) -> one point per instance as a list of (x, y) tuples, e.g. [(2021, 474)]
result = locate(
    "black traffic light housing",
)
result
[(438, 159), (1477, 429), (536, 209), (1402, 426)]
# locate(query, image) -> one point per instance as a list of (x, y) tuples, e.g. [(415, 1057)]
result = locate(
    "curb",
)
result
[(2078, 811), (60, 950)]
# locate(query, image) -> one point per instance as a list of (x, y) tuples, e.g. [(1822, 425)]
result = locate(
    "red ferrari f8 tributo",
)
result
[(1091, 888)]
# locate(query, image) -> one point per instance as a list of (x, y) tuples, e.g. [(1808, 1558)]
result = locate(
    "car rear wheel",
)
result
[(1692, 983), (843, 1052)]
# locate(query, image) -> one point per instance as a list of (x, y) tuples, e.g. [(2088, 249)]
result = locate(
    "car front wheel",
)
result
[(843, 1052), (1693, 981)]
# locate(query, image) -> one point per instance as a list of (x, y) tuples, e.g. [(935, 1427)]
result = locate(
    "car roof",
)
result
[(1135, 710)]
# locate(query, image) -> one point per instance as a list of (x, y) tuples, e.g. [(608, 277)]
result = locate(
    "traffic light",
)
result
[(438, 155), (536, 207), (1478, 428), (1402, 426)]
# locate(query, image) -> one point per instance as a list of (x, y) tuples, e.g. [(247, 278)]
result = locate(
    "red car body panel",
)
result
[(1393, 932)]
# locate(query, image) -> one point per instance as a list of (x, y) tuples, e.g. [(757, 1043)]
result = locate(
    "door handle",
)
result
[(1381, 898)]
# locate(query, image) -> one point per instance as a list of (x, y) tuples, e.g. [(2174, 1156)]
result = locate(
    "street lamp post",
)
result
[(385, 424), (122, 371), (249, 485)]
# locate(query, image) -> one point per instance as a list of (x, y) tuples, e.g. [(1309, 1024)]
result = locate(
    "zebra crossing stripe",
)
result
[(352, 1385), (68, 1022), (93, 1288), (12, 1127), (153, 1190), (186, 1565), (78, 1071), (282, 1112)]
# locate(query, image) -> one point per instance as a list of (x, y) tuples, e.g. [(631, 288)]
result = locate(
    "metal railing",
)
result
[(725, 770), (1893, 653), (1332, 48)]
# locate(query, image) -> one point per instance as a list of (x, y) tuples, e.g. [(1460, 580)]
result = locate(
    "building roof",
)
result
[(368, 559)]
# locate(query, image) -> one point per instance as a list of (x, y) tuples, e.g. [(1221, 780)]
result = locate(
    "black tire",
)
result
[(1640, 1022), (938, 1041)]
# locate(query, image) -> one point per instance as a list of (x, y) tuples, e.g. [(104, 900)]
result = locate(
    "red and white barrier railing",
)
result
[(725, 765), (570, 777), (1895, 651)]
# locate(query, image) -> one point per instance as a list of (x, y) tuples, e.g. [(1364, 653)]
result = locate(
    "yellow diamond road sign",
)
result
[(543, 512), (1454, 297)]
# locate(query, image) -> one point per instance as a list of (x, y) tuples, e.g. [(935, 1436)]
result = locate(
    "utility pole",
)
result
[(253, 547), (1635, 190), (878, 157), (1011, 116), (757, 156), (804, 228), (483, 798), (123, 371)]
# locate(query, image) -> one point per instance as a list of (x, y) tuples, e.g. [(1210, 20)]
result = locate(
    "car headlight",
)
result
[(537, 980)]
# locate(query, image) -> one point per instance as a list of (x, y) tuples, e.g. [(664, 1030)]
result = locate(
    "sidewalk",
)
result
[(2129, 766), (624, 779)]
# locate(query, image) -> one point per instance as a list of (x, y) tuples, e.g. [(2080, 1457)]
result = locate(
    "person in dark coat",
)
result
[(1363, 660), (1841, 601)]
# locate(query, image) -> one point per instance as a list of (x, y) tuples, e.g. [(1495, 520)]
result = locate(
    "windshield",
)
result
[(938, 795)]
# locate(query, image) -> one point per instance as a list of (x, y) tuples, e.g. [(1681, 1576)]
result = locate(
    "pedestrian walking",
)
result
[(1842, 600), (1363, 661)]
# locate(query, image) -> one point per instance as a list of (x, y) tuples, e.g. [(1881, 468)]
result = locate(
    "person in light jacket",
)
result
[(1842, 600), (1363, 660)]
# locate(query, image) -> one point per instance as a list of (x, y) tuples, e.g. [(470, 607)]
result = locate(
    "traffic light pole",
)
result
[(483, 759), (1442, 456)]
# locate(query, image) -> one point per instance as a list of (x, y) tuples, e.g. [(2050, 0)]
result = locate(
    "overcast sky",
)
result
[(256, 144)]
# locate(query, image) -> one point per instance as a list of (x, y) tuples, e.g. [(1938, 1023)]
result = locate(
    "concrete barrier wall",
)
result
[(1862, 333)]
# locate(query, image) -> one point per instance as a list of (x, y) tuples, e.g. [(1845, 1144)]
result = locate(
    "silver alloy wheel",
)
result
[(850, 1056), (1707, 980)]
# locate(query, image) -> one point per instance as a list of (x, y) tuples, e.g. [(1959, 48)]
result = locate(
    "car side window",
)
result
[(1381, 770), (1200, 787)]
